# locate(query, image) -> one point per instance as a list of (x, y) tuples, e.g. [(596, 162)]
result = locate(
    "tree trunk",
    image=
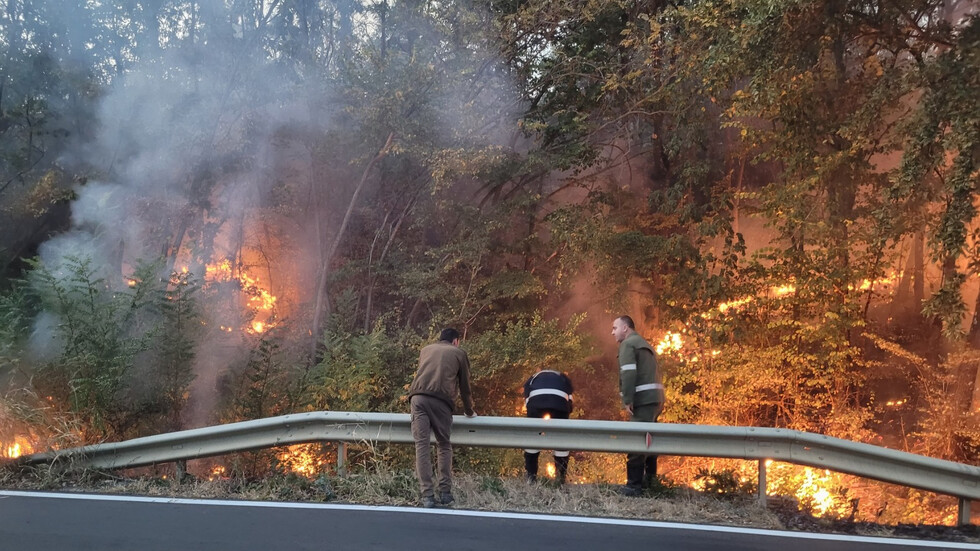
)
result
[(384, 254), (325, 261), (918, 271)]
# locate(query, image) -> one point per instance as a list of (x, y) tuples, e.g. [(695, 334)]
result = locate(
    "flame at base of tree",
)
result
[(259, 301)]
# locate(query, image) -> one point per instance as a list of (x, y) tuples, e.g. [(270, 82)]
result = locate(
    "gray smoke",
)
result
[(189, 143)]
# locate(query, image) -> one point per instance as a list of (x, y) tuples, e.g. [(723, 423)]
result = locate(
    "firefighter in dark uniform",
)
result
[(547, 394), (643, 397)]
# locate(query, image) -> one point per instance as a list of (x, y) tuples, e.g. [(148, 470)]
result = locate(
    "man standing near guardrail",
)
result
[(643, 397), (444, 370), (547, 394)]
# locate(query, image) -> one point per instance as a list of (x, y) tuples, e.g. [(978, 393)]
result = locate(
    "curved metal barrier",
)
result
[(866, 460)]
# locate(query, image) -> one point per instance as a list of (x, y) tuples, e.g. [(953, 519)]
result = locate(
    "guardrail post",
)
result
[(762, 482), (963, 518), (181, 468), (342, 458)]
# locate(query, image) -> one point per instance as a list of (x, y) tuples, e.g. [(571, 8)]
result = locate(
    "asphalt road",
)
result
[(48, 521)]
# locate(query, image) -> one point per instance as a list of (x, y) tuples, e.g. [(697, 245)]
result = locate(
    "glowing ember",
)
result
[(218, 471), (783, 290), (734, 304), (16, 449), (671, 342), (302, 459), (218, 272), (547, 416), (13, 451), (814, 491), (880, 282), (259, 300), (551, 470)]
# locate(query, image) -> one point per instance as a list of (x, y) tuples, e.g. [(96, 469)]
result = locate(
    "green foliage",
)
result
[(661, 487), (260, 388), (174, 345), (95, 335), (492, 485), (100, 328), (15, 317), (368, 372), (945, 431), (503, 358), (726, 483)]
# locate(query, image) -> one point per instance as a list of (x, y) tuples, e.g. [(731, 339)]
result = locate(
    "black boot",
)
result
[(634, 476), (531, 466), (561, 465), (650, 471)]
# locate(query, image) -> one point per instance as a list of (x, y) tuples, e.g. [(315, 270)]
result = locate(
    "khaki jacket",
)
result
[(444, 370)]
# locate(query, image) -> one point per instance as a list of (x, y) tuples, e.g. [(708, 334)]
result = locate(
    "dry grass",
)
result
[(604, 501)]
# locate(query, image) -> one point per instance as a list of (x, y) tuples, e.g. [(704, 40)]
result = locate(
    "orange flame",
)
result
[(551, 470), (734, 304), (886, 281), (671, 342), (783, 290), (17, 448), (814, 490), (260, 301), (218, 272), (301, 459), (218, 471)]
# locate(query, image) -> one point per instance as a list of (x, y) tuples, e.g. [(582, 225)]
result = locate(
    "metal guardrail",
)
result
[(866, 460)]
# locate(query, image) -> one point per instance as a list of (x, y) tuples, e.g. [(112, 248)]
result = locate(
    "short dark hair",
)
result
[(448, 334), (628, 321)]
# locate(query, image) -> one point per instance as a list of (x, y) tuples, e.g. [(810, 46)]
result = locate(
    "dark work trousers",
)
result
[(641, 468), (432, 416), (531, 456)]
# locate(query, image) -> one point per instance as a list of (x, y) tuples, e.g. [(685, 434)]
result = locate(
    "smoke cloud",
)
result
[(197, 129), (184, 129)]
